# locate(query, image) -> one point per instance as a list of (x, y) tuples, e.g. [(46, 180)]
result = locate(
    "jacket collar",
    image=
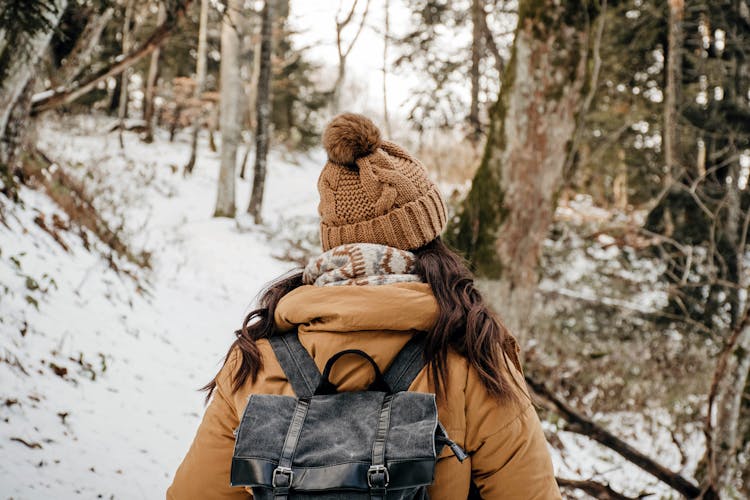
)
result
[(343, 309)]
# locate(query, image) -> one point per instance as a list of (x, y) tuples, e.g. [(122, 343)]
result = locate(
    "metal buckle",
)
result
[(285, 471), (375, 469)]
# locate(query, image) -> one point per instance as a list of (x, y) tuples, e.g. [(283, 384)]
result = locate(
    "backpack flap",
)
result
[(337, 444)]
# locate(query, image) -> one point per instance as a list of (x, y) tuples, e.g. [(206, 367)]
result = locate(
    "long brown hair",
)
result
[(465, 324)]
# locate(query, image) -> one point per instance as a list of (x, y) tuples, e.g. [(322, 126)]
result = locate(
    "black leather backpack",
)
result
[(381, 443)]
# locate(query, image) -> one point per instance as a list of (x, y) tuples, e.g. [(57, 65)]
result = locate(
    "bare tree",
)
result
[(125, 76), (200, 81), (386, 40), (231, 87), (344, 51), (588, 100), (153, 75), (263, 112), (673, 73), (252, 51)]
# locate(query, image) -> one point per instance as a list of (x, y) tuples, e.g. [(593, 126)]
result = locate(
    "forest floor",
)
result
[(101, 361)]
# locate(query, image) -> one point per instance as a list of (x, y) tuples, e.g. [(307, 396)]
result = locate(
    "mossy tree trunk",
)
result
[(504, 219)]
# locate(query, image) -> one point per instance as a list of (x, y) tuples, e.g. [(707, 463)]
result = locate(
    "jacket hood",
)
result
[(396, 307)]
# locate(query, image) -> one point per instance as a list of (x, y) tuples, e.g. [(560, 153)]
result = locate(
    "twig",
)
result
[(28, 444)]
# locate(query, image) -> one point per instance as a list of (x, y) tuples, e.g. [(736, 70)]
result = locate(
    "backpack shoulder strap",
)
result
[(406, 365), (299, 367)]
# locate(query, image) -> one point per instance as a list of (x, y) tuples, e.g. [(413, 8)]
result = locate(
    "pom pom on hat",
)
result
[(350, 136)]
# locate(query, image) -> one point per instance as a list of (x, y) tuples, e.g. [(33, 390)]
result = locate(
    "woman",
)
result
[(385, 275)]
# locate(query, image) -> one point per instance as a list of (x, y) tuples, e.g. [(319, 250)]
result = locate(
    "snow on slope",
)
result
[(99, 373), (124, 433)]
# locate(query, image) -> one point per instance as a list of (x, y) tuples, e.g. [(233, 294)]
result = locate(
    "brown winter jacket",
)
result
[(508, 453)]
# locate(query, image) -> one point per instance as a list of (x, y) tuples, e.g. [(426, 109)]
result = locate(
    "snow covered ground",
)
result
[(100, 371), (117, 422)]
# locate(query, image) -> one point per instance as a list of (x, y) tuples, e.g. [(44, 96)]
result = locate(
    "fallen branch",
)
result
[(52, 98), (596, 490), (581, 424)]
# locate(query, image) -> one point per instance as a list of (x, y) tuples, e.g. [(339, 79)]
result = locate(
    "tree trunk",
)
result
[(673, 70), (200, 82), (80, 57), (725, 401), (337, 87), (20, 67), (344, 52), (122, 111), (230, 109), (726, 439), (386, 36), (263, 113), (252, 93), (477, 13), (16, 139), (153, 75), (505, 217)]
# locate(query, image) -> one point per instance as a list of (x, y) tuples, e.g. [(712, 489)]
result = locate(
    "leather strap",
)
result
[(283, 475), (298, 365), (406, 365), (377, 475), (327, 387)]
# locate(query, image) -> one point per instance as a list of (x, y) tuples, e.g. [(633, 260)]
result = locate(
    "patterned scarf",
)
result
[(361, 264)]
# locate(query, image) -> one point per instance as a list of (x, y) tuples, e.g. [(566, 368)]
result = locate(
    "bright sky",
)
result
[(315, 22)]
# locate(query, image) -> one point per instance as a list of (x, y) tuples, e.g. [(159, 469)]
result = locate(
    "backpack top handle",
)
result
[(304, 376), (327, 387)]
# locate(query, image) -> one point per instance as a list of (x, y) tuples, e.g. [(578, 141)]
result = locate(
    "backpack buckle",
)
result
[(373, 481), (282, 471)]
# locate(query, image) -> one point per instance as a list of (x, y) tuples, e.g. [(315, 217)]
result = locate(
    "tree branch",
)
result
[(490, 40), (596, 490), (359, 30), (348, 19), (580, 424), (51, 99)]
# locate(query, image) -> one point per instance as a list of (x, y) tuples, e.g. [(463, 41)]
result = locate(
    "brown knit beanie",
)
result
[(373, 191)]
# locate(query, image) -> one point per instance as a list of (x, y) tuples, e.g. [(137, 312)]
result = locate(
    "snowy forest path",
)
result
[(107, 403)]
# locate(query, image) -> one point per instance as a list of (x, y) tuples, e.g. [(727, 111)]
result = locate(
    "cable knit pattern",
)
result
[(384, 196), (361, 264)]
